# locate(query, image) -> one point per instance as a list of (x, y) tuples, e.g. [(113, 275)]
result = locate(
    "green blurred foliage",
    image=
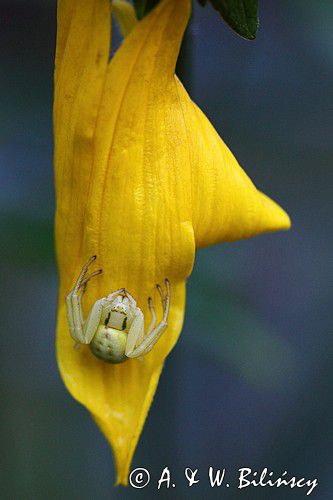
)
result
[(235, 336), (26, 241), (142, 7)]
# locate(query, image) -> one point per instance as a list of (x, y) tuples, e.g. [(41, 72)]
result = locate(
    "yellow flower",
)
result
[(142, 180)]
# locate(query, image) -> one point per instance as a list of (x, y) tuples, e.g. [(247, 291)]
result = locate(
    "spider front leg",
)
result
[(73, 303), (139, 344)]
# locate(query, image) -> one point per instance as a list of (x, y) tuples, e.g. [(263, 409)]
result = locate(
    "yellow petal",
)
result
[(226, 204), (141, 179), (83, 42)]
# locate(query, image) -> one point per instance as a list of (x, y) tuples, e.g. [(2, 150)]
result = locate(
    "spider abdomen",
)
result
[(109, 344)]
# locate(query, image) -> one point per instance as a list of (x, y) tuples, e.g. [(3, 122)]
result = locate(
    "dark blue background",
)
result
[(249, 382)]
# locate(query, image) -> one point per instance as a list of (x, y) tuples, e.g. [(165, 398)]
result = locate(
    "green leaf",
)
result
[(142, 7), (241, 15)]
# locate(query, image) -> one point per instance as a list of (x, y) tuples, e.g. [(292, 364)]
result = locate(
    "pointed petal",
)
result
[(226, 204)]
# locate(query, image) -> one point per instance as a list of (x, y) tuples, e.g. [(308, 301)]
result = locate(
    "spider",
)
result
[(114, 328)]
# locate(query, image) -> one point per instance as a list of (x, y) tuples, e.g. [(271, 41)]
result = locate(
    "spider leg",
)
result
[(130, 298), (84, 282), (112, 295), (148, 343), (155, 333), (153, 316), (74, 315), (160, 291), (70, 317), (94, 318), (80, 302), (135, 333), (165, 298), (74, 306), (84, 272)]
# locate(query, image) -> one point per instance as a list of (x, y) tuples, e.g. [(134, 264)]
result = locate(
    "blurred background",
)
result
[(249, 382)]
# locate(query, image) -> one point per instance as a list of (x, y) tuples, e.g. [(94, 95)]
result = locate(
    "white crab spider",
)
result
[(114, 329)]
